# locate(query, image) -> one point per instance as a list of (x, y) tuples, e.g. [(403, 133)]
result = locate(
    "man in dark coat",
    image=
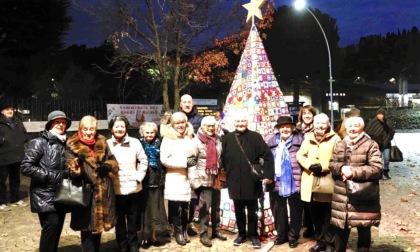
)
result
[(242, 189), (187, 106), (12, 140)]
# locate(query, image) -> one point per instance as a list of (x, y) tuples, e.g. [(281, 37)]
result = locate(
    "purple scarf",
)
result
[(211, 153)]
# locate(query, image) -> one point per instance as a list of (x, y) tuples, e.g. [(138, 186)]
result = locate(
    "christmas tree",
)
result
[(255, 89)]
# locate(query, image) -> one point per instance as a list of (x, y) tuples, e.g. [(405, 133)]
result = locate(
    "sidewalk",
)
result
[(399, 229)]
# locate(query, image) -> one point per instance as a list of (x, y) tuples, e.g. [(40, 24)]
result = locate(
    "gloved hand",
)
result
[(59, 176), (191, 161), (103, 170), (81, 159), (316, 169)]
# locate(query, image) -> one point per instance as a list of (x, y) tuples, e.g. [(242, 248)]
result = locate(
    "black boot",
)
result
[(386, 174), (178, 232), (186, 237)]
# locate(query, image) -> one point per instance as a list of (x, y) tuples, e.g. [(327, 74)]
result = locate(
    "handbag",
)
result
[(323, 184), (256, 170), (219, 181), (362, 192), (395, 154), (73, 193)]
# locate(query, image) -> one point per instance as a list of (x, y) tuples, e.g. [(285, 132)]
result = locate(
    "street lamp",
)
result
[(301, 4)]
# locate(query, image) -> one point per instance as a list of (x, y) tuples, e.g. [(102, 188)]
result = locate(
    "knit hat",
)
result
[(284, 119), (381, 111), (6, 104), (56, 115)]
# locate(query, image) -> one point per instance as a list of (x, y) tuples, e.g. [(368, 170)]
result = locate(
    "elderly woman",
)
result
[(356, 159), (288, 172), (132, 161), (314, 156), (44, 163), (90, 159), (201, 176), (177, 153), (154, 217)]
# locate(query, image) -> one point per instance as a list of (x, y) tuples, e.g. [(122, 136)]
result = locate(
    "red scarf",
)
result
[(211, 153), (88, 143)]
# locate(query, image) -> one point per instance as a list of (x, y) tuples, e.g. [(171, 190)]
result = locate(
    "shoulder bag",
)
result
[(395, 154), (219, 181), (256, 170), (362, 192), (73, 193), (323, 184)]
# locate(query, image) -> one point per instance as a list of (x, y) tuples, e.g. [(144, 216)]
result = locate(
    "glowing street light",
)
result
[(301, 4)]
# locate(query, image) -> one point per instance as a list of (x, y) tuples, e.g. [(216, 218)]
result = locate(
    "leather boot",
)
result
[(178, 231), (386, 174), (186, 237), (219, 236)]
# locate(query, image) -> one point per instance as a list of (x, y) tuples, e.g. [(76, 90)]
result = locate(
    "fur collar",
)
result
[(171, 133), (99, 149)]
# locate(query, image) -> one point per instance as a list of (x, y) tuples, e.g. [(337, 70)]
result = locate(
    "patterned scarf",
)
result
[(283, 168), (307, 128), (152, 151), (211, 152)]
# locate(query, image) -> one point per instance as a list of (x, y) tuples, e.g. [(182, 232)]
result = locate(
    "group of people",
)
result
[(167, 174)]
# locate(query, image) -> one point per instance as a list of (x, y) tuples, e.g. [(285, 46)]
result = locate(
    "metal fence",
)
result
[(37, 110)]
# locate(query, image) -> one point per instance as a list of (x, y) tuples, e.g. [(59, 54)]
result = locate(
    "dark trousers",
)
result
[(241, 217), (178, 214), (342, 236), (205, 198), (52, 225), (127, 208), (278, 203), (13, 172), (321, 216), (90, 242), (307, 219), (215, 210)]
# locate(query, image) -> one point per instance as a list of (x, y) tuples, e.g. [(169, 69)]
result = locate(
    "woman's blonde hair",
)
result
[(88, 120)]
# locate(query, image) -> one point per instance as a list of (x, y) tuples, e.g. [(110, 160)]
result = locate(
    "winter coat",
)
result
[(315, 152), (239, 181), (132, 162), (12, 141), (44, 162), (194, 118), (174, 152), (101, 215), (293, 149), (155, 176), (381, 132), (366, 164), (197, 174)]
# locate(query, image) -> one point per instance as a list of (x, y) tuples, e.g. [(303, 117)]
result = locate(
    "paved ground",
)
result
[(399, 229)]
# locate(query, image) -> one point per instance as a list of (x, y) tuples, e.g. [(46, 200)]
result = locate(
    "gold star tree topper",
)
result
[(253, 8)]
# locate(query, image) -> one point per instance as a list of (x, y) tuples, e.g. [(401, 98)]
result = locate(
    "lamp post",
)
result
[(301, 4)]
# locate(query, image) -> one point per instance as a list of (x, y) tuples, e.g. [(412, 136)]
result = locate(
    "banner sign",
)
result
[(136, 113)]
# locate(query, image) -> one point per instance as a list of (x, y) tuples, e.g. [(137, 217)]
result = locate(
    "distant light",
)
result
[(392, 80), (300, 4)]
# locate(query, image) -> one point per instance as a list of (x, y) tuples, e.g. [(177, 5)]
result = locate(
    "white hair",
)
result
[(240, 115), (354, 120), (208, 120), (321, 118)]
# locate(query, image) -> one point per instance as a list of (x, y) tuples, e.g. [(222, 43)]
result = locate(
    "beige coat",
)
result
[(313, 152), (174, 152)]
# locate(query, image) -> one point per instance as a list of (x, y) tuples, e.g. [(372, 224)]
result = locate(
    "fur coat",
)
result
[(101, 215)]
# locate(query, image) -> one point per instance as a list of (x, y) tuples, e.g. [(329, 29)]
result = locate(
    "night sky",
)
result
[(355, 19)]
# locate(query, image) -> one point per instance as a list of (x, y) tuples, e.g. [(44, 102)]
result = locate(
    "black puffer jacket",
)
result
[(11, 141), (44, 163)]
